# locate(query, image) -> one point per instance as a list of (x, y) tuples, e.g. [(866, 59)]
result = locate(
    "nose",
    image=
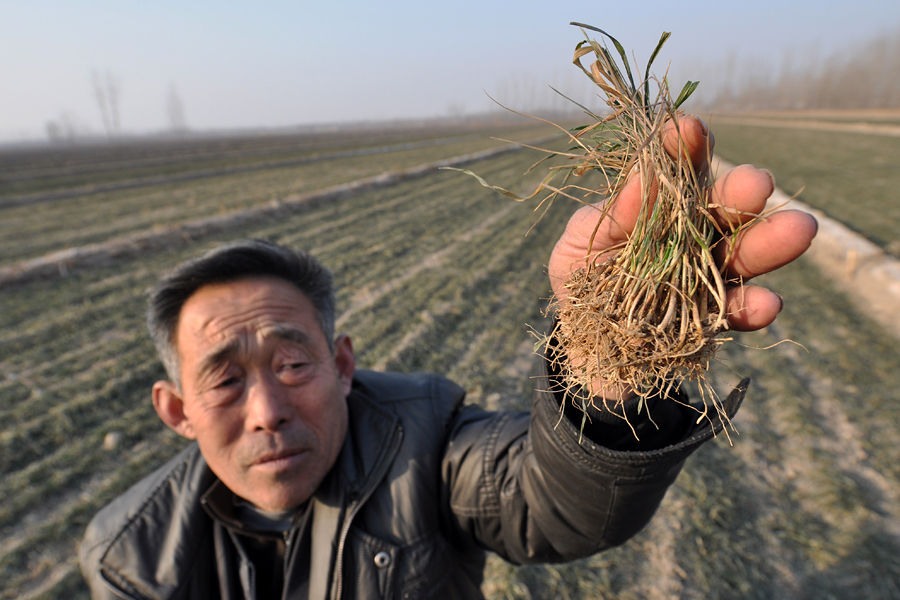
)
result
[(268, 407)]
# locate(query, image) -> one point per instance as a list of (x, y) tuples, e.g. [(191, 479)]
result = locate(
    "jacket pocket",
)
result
[(372, 563), (424, 568), (416, 571)]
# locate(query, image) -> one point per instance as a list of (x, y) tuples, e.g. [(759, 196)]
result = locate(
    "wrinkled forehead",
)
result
[(252, 309), (245, 343)]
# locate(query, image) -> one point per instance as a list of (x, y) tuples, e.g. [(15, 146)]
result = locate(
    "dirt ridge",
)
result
[(156, 180), (859, 126)]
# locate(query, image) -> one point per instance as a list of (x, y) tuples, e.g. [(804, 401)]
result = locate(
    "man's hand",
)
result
[(740, 195)]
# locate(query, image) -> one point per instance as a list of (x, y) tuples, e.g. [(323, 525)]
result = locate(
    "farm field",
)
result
[(849, 175), (866, 116), (435, 273), (73, 169), (207, 181)]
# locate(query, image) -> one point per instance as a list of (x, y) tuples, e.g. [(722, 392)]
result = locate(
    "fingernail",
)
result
[(780, 301), (703, 126)]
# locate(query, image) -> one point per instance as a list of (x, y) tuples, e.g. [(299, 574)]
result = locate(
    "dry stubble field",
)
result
[(434, 274)]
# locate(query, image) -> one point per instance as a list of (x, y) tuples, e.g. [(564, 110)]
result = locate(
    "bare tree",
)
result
[(63, 129), (106, 93), (54, 131), (175, 111), (855, 76)]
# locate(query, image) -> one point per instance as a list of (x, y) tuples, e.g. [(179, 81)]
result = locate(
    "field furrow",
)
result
[(85, 377), (435, 273), (32, 175), (47, 543), (29, 231)]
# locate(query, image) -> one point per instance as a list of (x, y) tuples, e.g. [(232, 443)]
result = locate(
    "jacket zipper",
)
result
[(377, 474)]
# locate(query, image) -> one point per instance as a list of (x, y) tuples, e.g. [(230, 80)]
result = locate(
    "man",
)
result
[(310, 479)]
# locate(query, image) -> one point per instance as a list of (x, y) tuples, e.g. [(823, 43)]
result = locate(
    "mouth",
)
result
[(279, 460)]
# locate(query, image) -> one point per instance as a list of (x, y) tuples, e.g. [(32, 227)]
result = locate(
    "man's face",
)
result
[(261, 391)]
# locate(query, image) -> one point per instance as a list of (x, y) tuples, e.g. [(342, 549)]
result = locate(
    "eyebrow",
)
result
[(282, 332), (290, 334), (217, 357)]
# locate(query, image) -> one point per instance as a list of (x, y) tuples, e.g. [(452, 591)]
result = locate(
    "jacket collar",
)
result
[(154, 552), (367, 448)]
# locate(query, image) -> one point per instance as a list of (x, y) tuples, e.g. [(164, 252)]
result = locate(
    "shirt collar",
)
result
[(234, 512)]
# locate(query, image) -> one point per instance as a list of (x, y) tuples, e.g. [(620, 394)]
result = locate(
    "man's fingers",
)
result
[(689, 137), (740, 195), (695, 140), (751, 307), (772, 242), (587, 235), (625, 211)]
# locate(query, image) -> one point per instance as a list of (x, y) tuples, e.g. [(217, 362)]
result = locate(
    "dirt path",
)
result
[(805, 123)]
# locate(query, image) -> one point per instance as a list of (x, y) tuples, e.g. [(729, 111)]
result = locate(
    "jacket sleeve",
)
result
[(534, 489)]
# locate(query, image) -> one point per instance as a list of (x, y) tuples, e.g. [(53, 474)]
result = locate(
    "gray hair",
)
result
[(238, 260)]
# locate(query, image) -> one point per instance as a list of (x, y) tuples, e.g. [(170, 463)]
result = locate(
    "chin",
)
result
[(279, 501)]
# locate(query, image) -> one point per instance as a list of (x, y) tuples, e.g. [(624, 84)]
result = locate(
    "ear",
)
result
[(345, 361), (169, 406)]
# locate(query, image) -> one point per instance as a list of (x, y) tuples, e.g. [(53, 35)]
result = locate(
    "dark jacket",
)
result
[(424, 485)]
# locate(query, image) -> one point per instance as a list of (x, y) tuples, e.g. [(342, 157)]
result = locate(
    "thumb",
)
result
[(594, 230)]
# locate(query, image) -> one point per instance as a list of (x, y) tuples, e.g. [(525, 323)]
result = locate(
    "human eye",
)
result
[(293, 367), (223, 391), (225, 379), (227, 382)]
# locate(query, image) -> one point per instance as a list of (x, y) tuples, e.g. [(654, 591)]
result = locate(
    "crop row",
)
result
[(39, 172), (32, 230), (436, 274), (86, 372)]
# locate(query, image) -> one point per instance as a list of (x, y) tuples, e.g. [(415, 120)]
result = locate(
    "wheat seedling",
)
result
[(646, 315)]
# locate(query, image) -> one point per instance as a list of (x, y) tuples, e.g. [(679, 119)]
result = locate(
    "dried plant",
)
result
[(645, 315)]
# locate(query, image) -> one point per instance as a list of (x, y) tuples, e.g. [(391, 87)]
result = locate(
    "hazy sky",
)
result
[(276, 63)]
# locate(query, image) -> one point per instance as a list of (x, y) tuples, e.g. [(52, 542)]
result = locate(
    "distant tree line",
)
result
[(106, 90), (863, 76)]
